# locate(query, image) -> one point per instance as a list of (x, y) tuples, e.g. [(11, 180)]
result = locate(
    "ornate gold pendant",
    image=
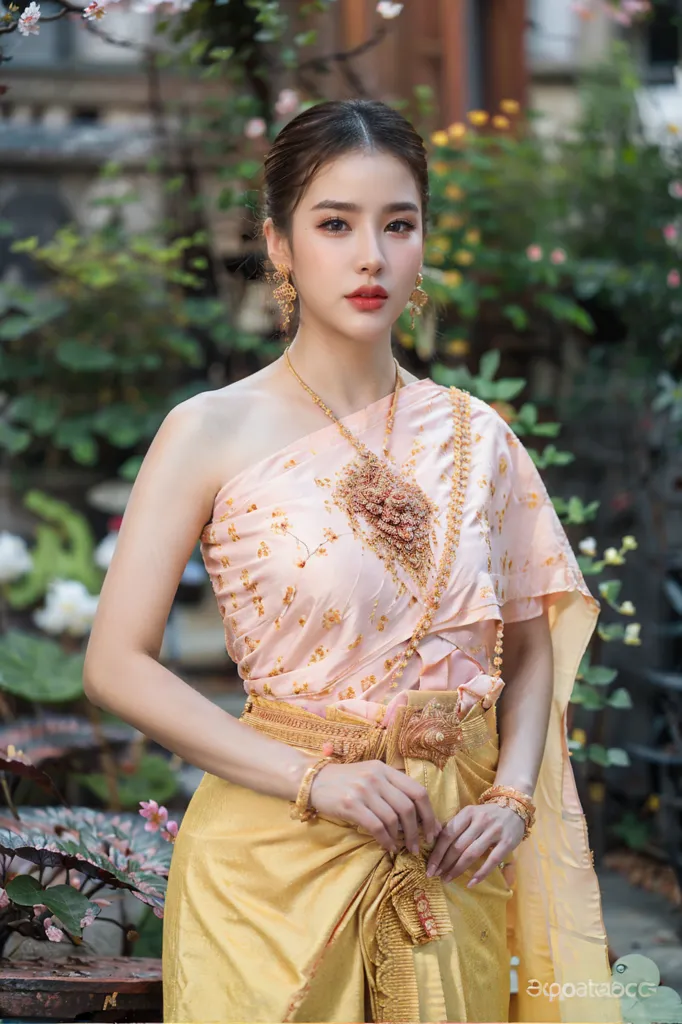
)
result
[(397, 511)]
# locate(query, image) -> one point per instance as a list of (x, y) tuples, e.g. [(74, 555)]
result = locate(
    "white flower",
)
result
[(631, 636), (629, 543), (4, 899), (287, 102), (612, 557), (69, 608), (15, 560), (588, 546), (627, 608), (28, 21), (104, 551), (388, 10), (254, 128)]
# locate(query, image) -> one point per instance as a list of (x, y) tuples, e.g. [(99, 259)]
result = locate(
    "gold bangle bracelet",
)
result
[(300, 808)]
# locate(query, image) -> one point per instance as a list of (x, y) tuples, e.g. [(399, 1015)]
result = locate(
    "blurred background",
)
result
[(132, 136)]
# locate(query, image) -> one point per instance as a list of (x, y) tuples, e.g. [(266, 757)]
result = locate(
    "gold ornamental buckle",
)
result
[(432, 732)]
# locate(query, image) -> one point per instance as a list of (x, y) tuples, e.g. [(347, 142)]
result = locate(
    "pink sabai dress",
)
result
[(317, 612)]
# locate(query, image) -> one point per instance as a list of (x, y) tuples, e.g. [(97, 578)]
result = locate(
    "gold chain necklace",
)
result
[(363, 449), (397, 511)]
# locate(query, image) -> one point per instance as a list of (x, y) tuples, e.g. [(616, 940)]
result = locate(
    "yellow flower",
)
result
[(510, 106), (501, 122), (627, 608), (478, 117), (405, 339), (580, 736), (457, 130), (440, 167), (464, 257), (440, 138), (631, 637), (441, 243), (457, 347), (612, 557), (629, 543), (673, 129), (473, 236), (450, 220), (452, 278), (437, 258), (653, 802), (454, 192)]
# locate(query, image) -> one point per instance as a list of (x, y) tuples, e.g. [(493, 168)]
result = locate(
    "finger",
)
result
[(386, 814), (475, 848), (449, 835), (420, 797), (375, 827), (497, 855), (407, 812)]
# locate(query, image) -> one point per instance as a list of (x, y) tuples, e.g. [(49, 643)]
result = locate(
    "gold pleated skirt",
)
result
[(271, 919)]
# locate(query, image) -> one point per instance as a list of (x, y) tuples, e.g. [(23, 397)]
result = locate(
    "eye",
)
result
[(407, 226), (333, 221)]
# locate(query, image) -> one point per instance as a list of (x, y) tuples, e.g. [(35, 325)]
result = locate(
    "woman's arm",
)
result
[(524, 705), (170, 503)]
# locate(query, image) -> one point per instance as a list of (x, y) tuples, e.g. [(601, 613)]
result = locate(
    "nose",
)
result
[(370, 256)]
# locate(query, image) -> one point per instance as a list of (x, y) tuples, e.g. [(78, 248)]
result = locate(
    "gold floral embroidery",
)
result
[(299, 687), (301, 563), (290, 463), (318, 654), (374, 608), (390, 662), (531, 499), (321, 550), (302, 621), (267, 689), (330, 534), (252, 508), (367, 682), (278, 622), (245, 670), (486, 592), (218, 582), (232, 533), (331, 618), (281, 526), (250, 642), (208, 535), (503, 465), (328, 505), (247, 582), (279, 667), (233, 599), (258, 602), (396, 513), (482, 481), (347, 694), (289, 595), (323, 481), (355, 642), (381, 624), (263, 550), (224, 561)]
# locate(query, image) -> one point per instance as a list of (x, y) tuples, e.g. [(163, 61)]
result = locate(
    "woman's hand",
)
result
[(377, 798), (469, 835)]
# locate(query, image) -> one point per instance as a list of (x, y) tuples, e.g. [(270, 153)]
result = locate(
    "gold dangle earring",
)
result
[(285, 294), (418, 299)]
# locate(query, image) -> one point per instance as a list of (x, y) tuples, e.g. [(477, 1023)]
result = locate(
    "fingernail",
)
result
[(430, 871), (415, 849), (471, 882), (429, 837)]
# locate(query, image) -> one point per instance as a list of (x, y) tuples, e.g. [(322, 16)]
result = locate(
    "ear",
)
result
[(278, 247)]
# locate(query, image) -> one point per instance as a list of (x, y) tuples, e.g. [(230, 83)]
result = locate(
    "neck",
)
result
[(346, 375)]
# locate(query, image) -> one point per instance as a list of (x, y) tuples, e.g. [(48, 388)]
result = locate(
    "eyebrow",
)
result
[(337, 204)]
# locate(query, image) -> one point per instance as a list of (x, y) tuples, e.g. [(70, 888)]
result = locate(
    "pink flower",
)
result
[(4, 899), (158, 911), (28, 22), (558, 256), (39, 908), (54, 934), (156, 816), (534, 253), (254, 128), (675, 189), (583, 9), (88, 918), (170, 832), (95, 10), (100, 902), (674, 279), (670, 233), (287, 102)]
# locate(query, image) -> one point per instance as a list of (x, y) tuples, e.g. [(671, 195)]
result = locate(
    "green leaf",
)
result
[(489, 364), (618, 757), (508, 388), (12, 440), (600, 675), (83, 357), (597, 753), (517, 315), (14, 327), (25, 890), (131, 467), (153, 780), (547, 429), (221, 53), (68, 905), (306, 38), (37, 669), (620, 698)]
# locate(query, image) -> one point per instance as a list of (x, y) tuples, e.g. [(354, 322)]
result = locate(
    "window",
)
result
[(662, 46)]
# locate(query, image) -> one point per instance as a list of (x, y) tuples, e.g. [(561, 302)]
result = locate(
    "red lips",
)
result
[(375, 292)]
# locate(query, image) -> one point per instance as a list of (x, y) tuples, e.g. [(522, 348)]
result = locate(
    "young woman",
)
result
[(365, 845)]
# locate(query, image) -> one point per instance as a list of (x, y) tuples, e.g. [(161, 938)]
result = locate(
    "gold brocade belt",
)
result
[(428, 728), (413, 908)]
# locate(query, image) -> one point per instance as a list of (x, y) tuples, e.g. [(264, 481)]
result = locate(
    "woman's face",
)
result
[(358, 225)]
